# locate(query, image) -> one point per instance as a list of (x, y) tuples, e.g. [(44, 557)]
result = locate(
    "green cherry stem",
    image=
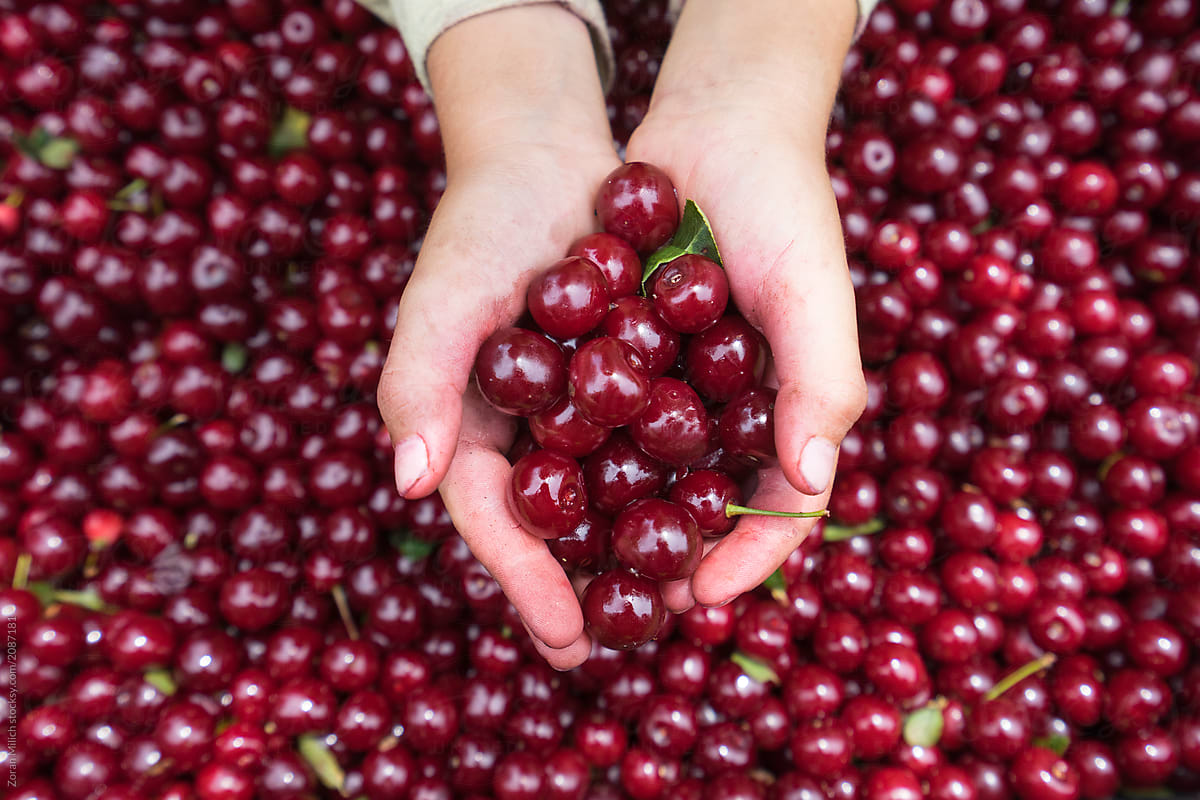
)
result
[(840, 533), (1019, 674), (734, 510), (343, 606)]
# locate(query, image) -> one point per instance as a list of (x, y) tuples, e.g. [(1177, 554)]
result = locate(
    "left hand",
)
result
[(766, 192)]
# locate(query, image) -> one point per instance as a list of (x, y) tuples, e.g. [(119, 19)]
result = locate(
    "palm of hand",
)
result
[(776, 222), (500, 223)]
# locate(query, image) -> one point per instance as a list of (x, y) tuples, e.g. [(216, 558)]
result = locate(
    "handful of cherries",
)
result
[(644, 411)]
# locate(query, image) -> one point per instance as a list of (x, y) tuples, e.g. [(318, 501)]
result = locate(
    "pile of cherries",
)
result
[(660, 396), (211, 591)]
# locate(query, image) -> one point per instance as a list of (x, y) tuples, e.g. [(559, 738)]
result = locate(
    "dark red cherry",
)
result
[(253, 599), (658, 539), (619, 263), (690, 293), (706, 494), (634, 320), (726, 359), (623, 610), (563, 429), (520, 372), (587, 546), (674, 426), (607, 382), (547, 493), (568, 299), (747, 425), (637, 203)]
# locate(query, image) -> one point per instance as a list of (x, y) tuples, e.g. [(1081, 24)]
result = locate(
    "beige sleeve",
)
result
[(420, 22)]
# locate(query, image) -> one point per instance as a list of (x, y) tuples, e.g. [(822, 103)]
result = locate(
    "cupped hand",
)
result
[(767, 194), (507, 214)]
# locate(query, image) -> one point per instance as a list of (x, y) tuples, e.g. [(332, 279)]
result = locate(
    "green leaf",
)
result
[(1057, 742), (775, 581), (291, 133), (414, 548), (88, 598), (30, 144), (840, 533), (324, 764), (21, 570), (234, 357), (162, 680), (58, 153), (760, 671), (694, 235), (135, 186), (42, 590), (923, 727)]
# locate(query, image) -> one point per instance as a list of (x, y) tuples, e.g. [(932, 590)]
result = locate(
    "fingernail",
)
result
[(816, 463), (412, 463), (724, 603)]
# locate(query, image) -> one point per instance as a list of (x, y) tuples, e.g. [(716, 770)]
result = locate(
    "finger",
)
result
[(564, 658), (577, 652), (806, 310), (677, 595), (475, 495), (757, 545), (429, 367)]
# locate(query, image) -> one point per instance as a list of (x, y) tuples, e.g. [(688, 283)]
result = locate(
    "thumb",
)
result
[(808, 317), (439, 328)]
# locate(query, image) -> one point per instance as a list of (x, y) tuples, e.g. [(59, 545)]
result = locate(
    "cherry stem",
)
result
[(343, 607), (1019, 674), (15, 198), (91, 565), (840, 533), (733, 510), (21, 571)]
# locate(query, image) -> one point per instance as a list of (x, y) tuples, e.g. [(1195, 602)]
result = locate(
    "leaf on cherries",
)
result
[(414, 547), (55, 152), (324, 763), (694, 236), (775, 582), (757, 669), (291, 133), (81, 598), (42, 590), (59, 152), (923, 727), (161, 679), (234, 358), (1056, 742)]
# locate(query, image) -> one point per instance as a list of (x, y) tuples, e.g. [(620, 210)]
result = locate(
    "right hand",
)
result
[(521, 184)]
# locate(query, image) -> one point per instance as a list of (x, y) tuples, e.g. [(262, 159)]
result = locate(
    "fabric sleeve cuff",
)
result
[(421, 22)]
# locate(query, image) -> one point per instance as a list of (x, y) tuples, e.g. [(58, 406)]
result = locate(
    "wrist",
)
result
[(517, 76), (769, 62)]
